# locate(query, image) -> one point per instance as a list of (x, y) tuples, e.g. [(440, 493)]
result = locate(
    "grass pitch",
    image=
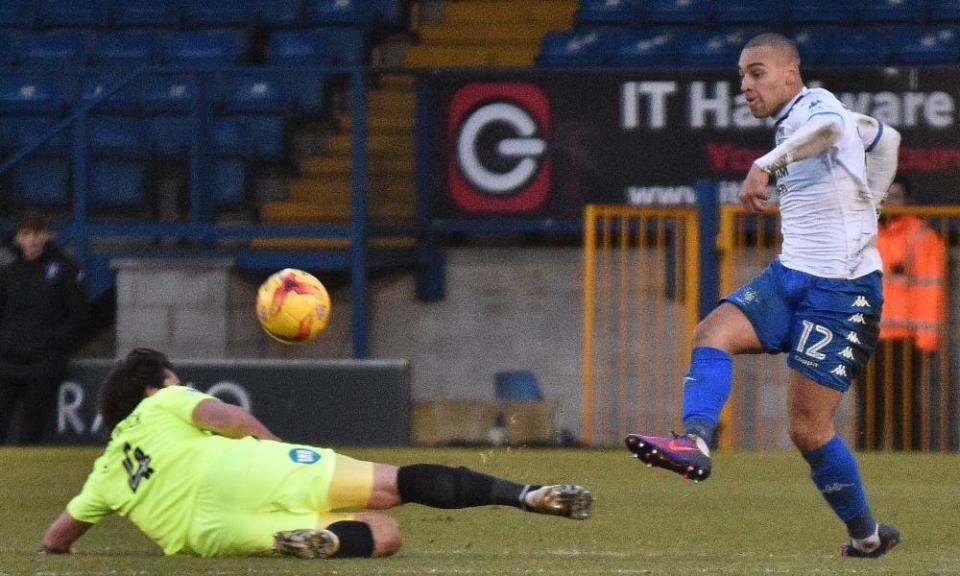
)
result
[(758, 514)]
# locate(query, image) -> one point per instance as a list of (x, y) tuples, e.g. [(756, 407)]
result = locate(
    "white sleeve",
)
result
[(818, 134), (882, 146)]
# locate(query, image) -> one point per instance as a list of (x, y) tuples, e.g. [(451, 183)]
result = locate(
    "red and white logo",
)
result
[(498, 161)]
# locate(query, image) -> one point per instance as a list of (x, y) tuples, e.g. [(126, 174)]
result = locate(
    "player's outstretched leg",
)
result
[(686, 455), (888, 537)]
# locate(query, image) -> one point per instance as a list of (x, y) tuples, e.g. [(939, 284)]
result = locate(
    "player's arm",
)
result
[(61, 535), (882, 152), (816, 136), (229, 420)]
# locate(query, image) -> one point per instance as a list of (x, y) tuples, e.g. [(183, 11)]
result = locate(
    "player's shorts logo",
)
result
[(304, 456), (498, 161)]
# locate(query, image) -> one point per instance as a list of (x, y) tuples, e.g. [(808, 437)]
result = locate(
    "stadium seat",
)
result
[(347, 46), (229, 182), (855, 46), (281, 13), (574, 49), (812, 43), (221, 12), (126, 49), (917, 45), (678, 11), (116, 183), (17, 13), (126, 13), (169, 136), (306, 48), (881, 11), (22, 131), (647, 49), (821, 11), (94, 85), (767, 12), (22, 93), (944, 10), (121, 137), (714, 48), (168, 92), (75, 13), (62, 50), (340, 12), (42, 182), (9, 46), (207, 47), (608, 12), (254, 91), (390, 15), (267, 135), (232, 139)]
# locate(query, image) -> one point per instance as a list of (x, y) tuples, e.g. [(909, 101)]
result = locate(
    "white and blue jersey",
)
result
[(828, 217)]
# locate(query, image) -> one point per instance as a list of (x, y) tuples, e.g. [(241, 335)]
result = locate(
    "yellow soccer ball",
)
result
[(293, 306)]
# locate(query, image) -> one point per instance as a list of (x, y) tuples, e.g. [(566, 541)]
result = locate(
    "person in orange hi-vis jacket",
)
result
[(914, 258)]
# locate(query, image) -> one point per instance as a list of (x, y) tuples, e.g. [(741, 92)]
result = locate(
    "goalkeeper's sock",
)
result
[(706, 388), (834, 471), (356, 539), (446, 487)]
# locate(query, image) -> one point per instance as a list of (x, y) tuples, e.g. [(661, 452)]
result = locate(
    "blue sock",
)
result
[(834, 471), (706, 388)]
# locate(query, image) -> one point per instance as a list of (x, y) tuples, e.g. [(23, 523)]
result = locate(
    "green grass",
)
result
[(758, 514)]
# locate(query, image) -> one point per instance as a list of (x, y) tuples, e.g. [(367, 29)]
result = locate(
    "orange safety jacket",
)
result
[(914, 265)]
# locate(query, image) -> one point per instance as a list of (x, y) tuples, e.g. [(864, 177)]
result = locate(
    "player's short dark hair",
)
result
[(777, 42), (32, 220), (124, 387)]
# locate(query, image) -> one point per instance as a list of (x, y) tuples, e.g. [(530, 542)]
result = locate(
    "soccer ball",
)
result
[(293, 306)]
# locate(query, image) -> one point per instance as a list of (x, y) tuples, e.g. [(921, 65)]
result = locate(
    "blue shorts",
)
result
[(828, 326)]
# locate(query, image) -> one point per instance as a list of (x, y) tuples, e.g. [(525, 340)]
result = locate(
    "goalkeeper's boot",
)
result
[(889, 537), (306, 543), (568, 500), (688, 456)]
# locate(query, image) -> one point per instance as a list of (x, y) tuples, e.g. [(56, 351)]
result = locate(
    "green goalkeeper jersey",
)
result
[(152, 468)]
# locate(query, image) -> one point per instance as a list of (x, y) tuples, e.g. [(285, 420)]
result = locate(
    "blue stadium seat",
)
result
[(21, 131), (126, 49), (714, 48), (678, 11), (169, 136), (944, 10), (17, 13), (254, 91), (609, 12), (281, 13), (652, 48), (231, 139), (62, 50), (881, 11), (813, 42), (9, 46), (267, 134), (308, 92), (207, 47), (293, 48), (821, 11), (116, 183), (925, 45), (168, 92), (767, 12), (340, 12), (126, 13), (221, 12), (42, 182), (229, 182), (347, 46), (125, 101), (117, 137), (22, 93), (855, 46), (390, 15), (573, 49), (75, 13)]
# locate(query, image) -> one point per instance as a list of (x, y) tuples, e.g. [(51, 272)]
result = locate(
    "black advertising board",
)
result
[(541, 144), (325, 403)]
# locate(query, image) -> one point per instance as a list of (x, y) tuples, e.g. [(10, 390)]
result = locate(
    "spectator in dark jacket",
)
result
[(43, 313)]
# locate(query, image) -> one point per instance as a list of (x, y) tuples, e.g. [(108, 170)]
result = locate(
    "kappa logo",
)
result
[(847, 353), (852, 337), (840, 370), (497, 156), (857, 319), (861, 302), (834, 488)]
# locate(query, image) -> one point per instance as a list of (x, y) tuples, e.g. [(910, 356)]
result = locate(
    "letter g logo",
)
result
[(498, 157)]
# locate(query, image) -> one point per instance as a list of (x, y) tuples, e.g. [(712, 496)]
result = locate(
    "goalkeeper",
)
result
[(202, 477)]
